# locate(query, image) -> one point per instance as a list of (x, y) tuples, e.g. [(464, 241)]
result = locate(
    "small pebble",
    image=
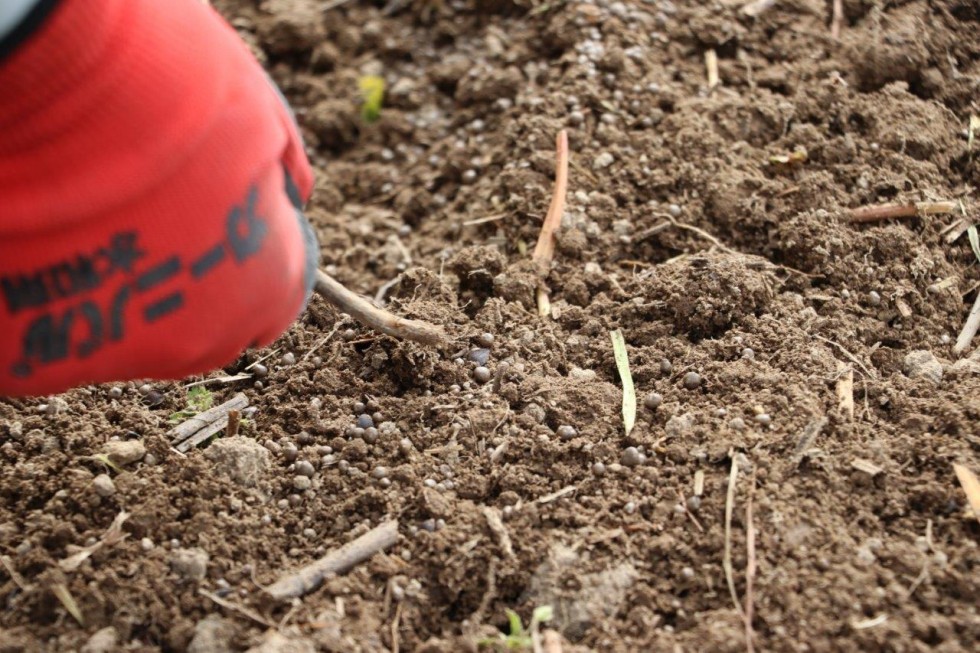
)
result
[(666, 366), (370, 435), (305, 468), (290, 453), (694, 503), (764, 419), (482, 374), (737, 423), (485, 340), (302, 483), (115, 392), (653, 400), (309, 533), (599, 469), (692, 380), (874, 298), (566, 432), (630, 508), (260, 371), (103, 485), (359, 408), (674, 210), (479, 356), (380, 472), (687, 573), (748, 353), (146, 544), (145, 389), (429, 482), (631, 457)]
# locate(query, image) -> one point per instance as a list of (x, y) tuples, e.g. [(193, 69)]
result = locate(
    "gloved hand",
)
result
[(151, 180)]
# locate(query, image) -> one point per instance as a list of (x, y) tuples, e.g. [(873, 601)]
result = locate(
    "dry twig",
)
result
[(845, 391), (757, 7), (544, 251), (376, 318), (234, 607), (879, 212), (192, 432), (338, 561), (971, 486)]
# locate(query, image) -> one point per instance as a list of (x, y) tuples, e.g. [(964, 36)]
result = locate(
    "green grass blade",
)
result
[(629, 392)]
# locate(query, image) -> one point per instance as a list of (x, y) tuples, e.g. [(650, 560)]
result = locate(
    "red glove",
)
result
[(150, 186)]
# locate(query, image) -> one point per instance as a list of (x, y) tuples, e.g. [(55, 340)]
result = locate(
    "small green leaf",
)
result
[(540, 615), (971, 232), (373, 93), (514, 621), (629, 392)]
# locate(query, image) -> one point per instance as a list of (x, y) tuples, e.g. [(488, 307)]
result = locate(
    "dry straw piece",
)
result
[(544, 250), (629, 392)]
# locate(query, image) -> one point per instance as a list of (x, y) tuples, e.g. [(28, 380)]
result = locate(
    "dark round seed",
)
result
[(481, 374), (305, 468), (370, 435), (653, 400), (348, 334), (258, 385), (566, 432), (631, 457), (364, 421), (260, 371), (692, 380)]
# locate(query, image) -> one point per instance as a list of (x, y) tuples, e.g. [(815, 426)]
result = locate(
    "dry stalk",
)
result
[(879, 212), (551, 641), (544, 251), (845, 390), (750, 567), (711, 64), (757, 7), (837, 19), (726, 562), (969, 328), (376, 318)]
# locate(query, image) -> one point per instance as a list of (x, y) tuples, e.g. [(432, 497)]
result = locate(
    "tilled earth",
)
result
[(746, 297)]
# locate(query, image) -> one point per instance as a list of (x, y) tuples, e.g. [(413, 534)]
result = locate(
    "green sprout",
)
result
[(199, 399), (373, 93), (519, 639)]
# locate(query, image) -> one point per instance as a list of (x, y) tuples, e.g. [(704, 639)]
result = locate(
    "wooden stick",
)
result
[(969, 328), (218, 414), (338, 561), (544, 250), (879, 212), (837, 19), (726, 561), (845, 391), (376, 318)]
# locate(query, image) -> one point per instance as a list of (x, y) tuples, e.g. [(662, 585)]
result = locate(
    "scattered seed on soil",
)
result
[(694, 503), (305, 468), (566, 432), (764, 419), (145, 389), (115, 392), (748, 353), (289, 358), (370, 435), (874, 298), (666, 367), (599, 469), (359, 407), (737, 423), (365, 421), (482, 374), (653, 400), (485, 340), (674, 210), (260, 371), (290, 453), (631, 457), (629, 508), (692, 381), (380, 472)]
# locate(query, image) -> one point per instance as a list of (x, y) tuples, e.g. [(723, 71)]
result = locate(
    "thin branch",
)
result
[(376, 318), (234, 607), (338, 561), (879, 212)]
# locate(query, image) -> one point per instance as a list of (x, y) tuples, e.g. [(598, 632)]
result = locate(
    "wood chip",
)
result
[(808, 437), (499, 530), (866, 466), (184, 436), (698, 483), (971, 486)]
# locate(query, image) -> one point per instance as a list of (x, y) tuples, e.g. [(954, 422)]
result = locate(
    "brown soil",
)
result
[(445, 194)]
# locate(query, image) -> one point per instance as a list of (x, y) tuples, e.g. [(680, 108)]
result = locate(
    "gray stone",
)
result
[(922, 364), (241, 459)]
